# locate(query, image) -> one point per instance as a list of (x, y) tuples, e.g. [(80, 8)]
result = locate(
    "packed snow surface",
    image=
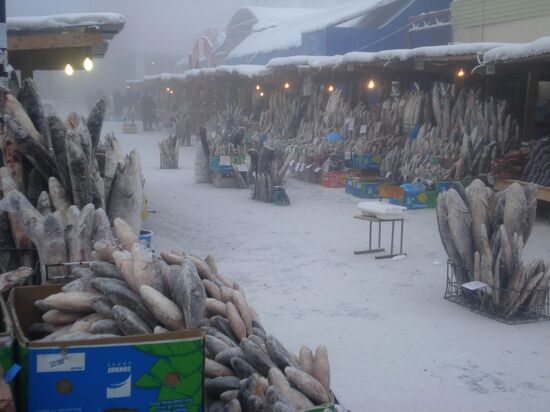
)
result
[(394, 343), (58, 21)]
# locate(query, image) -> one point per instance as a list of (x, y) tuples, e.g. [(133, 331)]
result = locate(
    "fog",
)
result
[(159, 32)]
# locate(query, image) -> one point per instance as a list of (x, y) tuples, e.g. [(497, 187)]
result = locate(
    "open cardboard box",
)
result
[(162, 372)]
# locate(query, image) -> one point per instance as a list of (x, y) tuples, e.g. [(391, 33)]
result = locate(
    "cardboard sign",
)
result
[(225, 160), (242, 168), (347, 155), (474, 285), (363, 129), (351, 124), (317, 170)]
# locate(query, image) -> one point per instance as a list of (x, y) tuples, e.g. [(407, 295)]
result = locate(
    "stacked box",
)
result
[(133, 373), (414, 197), (367, 190)]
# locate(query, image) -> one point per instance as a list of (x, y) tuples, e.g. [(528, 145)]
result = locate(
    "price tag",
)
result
[(242, 168), (225, 160), (347, 155), (363, 129)]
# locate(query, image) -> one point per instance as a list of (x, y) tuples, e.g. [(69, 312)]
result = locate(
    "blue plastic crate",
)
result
[(415, 197)]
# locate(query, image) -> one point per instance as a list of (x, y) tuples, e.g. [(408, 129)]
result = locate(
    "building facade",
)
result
[(500, 20)]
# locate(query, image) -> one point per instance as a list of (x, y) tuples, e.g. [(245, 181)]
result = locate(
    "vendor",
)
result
[(147, 112)]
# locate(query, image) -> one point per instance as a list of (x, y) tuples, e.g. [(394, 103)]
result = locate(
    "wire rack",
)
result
[(535, 308)]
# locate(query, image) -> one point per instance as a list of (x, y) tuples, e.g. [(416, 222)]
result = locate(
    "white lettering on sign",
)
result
[(61, 362)]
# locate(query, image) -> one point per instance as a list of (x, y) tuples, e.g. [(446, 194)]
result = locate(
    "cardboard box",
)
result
[(6, 337), (414, 197), (147, 373)]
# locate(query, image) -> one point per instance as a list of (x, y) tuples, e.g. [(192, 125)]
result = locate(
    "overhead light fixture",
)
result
[(88, 64), (286, 85), (69, 70), (461, 73), (262, 94), (330, 88), (167, 89), (258, 87), (371, 84), (171, 92)]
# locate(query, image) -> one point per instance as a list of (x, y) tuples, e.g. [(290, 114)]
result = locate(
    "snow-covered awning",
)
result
[(539, 48), (65, 21), (313, 62), (243, 70)]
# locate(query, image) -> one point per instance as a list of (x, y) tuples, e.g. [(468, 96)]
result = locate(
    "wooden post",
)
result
[(530, 105)]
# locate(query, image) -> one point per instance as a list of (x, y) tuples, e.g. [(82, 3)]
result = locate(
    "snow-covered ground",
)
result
[(394, 343)]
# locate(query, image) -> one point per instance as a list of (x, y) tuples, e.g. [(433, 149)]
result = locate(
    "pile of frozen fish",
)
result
[(58, 168), (128, 290), (538, 167), (484, 233)]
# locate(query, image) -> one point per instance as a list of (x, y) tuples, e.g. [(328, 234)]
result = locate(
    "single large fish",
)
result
[(164, 310), (102, 227), (146, 269), (129, 322), (126, 194), (55, 248), (95, 123), (81, 243), (15, 110), (114, 160), (58, 134), (515, 210), (34, 151), (460, 225), (79, 169), (30, 100)]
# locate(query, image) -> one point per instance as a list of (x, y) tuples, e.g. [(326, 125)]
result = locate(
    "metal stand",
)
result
[(374, 219)]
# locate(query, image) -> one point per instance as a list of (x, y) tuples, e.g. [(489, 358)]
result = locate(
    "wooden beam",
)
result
[(53, 40)]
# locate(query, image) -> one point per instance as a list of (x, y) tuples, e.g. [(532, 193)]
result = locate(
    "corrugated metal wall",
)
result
[(500, 20)]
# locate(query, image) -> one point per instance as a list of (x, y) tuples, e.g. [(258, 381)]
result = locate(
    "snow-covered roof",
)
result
[(288, 34), (63, 21), (524, 51)]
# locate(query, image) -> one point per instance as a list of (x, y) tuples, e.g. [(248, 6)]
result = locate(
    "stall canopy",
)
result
[(52, 42)]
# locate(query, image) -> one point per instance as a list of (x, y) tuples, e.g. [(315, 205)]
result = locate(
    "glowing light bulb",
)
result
[(331, 88), (287, 85), (88, 64), (258, 87), (371, 84), (167, 89), (69, 70), (460, 73), (262, 94)]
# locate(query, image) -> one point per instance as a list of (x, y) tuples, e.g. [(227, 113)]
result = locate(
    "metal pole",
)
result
[(4, 80)]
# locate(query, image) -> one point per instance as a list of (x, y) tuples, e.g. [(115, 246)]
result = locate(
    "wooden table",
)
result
[(374, 219)]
